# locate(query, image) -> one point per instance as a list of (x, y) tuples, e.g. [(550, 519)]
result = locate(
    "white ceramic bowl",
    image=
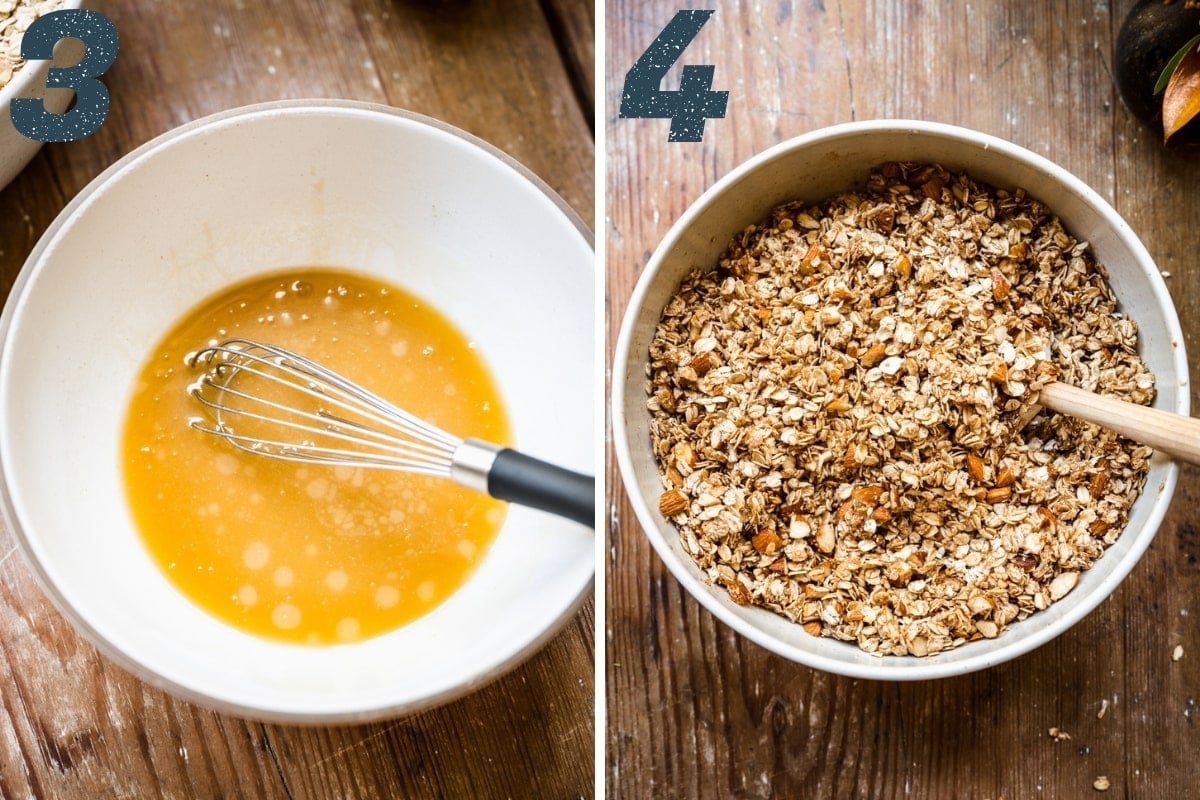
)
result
[(819, 165), (389, 194), (15, 149)]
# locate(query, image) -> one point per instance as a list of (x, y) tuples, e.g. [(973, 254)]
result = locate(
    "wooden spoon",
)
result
[(1173, 434)]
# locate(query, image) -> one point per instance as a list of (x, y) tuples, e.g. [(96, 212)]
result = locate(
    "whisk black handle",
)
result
[(518, 478)]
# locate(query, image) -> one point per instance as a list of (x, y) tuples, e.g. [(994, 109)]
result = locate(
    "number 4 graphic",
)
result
[(690, 105)]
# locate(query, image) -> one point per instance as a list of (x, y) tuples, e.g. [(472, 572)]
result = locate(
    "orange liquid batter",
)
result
[(305, 553)]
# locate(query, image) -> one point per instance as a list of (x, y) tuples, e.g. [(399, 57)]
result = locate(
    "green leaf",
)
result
[(1165, 76)]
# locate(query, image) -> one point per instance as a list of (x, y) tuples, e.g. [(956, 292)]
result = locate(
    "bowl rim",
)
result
[(685, 571), (470, 682)]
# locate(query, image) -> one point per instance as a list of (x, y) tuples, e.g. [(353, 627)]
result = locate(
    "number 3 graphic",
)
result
[(99, 36)]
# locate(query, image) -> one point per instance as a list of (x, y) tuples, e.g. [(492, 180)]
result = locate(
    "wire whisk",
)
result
[(273, 402)]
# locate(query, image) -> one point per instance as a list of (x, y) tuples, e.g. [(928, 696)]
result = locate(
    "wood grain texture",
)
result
[(574, 25), (695, 710), (73, 725)]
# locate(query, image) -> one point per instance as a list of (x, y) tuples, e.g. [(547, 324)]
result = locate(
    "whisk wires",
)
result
[(270, 401)]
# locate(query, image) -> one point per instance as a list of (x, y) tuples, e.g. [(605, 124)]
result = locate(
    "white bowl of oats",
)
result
[(824, 399), (19, 78)]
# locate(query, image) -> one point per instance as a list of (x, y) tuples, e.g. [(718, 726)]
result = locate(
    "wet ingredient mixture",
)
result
[(303, 553)]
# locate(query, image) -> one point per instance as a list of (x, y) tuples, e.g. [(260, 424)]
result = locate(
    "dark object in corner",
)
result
[(1152, 33)]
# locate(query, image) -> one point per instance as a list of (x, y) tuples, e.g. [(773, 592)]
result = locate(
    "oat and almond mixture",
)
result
[(15, 18), (840, 410)]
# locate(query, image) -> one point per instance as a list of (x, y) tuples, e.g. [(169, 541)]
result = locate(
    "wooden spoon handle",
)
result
[(1174, 434)]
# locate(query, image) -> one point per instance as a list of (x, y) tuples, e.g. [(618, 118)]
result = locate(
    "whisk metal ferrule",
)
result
[(472, 463)]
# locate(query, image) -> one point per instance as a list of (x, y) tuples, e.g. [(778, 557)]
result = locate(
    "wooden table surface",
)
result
[(517, 73), (696, 711)]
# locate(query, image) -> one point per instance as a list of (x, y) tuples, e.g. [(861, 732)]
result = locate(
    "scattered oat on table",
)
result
[(1101, 784), (1177, 653), (15, 18), (836, 409), (1103, 709), (1059, 735)]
